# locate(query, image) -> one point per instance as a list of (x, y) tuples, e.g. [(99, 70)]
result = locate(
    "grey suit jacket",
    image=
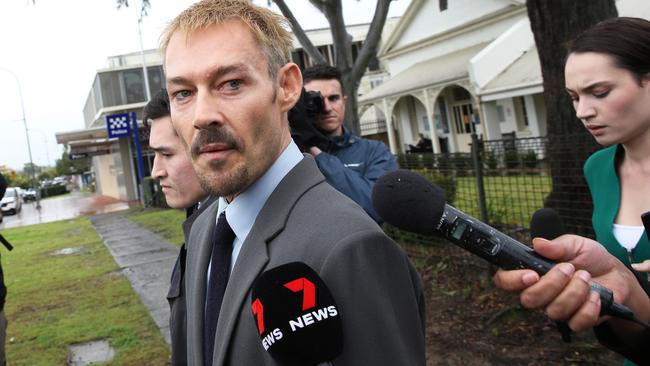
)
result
[(377, 290)]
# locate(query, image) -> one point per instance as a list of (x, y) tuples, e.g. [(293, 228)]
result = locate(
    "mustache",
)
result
[(213, 136)]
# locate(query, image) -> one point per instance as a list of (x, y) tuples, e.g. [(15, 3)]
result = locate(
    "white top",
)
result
[(628, 236)]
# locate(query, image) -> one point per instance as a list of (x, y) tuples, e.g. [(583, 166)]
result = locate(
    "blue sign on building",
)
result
[(118, 125)]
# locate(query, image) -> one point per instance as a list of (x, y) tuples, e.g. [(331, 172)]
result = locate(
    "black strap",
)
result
[(6, 243)]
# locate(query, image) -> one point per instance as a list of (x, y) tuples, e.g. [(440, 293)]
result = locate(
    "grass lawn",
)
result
[(58, 300), (510, 200), (164, 222)]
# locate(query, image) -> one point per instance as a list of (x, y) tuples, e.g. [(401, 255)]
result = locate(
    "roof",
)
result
[(441, 70), (522, 77)]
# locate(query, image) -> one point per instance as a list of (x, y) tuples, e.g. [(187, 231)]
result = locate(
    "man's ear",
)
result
[(289, 86), (645, 81)]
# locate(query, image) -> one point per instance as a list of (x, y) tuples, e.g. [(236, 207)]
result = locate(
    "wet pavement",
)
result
[(63, 207), (146, 260)]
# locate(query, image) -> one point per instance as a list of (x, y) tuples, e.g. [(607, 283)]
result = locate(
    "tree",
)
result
[(554, 23), (47, 173), (30, 169), (352, 70)]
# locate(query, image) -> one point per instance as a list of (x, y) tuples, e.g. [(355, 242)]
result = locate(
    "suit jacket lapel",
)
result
[(198, 258), (253, 256)]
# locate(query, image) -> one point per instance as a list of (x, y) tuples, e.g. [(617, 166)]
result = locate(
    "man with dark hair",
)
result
[(350, 163), (173, 167)]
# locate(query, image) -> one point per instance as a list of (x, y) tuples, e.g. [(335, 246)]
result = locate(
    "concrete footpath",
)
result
[(146, 260)]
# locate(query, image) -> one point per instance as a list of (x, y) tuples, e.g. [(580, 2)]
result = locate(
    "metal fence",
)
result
[(503, 182)]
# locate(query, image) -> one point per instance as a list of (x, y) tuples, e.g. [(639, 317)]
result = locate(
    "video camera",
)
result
[(303, 120)]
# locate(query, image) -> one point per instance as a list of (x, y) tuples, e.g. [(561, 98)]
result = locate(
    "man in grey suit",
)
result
[(231, 84), (173, 169)]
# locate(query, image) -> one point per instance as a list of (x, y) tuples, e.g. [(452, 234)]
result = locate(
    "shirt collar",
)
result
[(243, 210)]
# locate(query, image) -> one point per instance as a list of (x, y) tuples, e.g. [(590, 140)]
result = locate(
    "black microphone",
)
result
[(296, 316), (546, 223), (410, 202)]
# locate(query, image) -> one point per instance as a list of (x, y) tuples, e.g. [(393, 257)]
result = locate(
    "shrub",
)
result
[(53, 190), (530, 159)]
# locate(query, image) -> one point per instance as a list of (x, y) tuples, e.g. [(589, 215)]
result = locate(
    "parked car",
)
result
[(11, 203), (29, 195)]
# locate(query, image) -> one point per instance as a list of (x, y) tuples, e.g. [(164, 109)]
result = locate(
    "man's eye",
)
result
[(601, 95), (182, 94), (233, 84)]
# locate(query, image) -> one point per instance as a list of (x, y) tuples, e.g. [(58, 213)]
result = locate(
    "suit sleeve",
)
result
[(380, 299), (354, 184)]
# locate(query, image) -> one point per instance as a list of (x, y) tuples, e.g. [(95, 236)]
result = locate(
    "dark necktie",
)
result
[(218, 279)]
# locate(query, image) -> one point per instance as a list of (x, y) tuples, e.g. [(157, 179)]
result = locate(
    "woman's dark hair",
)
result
[(626, 40)]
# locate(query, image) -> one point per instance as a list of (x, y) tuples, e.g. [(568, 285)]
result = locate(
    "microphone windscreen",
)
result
[(409, 201), (296, 316), (546, 223)]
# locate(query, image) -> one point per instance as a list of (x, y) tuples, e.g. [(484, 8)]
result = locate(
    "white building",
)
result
[(464, 65)]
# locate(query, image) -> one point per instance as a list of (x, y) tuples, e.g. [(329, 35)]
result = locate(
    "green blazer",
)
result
[(602, 177)]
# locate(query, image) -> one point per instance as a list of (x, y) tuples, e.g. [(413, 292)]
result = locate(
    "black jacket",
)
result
[(176, 294)]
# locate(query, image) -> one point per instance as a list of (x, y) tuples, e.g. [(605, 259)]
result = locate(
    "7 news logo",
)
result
[(309, 315)]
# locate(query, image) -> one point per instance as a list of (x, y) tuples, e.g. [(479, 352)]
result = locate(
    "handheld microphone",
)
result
[(546, 223), (410, 202), (296, 316)]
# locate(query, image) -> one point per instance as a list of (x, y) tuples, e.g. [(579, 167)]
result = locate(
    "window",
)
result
[(156, 79), (500, 114), (133, 85), (463, 118), (110, 86), (442, 4)]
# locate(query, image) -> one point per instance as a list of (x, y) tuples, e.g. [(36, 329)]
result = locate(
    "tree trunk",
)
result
[(352, 70), (554, 23)]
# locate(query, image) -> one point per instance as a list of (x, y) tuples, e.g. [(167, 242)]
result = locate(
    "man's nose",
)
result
[(206, 111), (157, 170)]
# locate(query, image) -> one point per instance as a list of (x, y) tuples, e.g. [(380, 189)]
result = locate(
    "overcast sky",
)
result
[(54, 48)]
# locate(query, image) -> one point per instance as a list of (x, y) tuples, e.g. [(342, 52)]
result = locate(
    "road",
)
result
[(63, 207)]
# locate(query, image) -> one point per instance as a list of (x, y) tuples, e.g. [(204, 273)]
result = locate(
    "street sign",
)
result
[(118, 125), (78, 156)]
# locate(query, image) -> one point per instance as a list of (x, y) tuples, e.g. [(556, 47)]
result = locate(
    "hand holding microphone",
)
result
[(412, 203)]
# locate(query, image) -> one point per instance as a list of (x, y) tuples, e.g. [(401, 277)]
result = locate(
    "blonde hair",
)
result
[(269, 29)]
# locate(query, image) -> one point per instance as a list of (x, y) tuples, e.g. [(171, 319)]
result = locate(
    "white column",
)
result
[(432, 128), (389, 128)]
